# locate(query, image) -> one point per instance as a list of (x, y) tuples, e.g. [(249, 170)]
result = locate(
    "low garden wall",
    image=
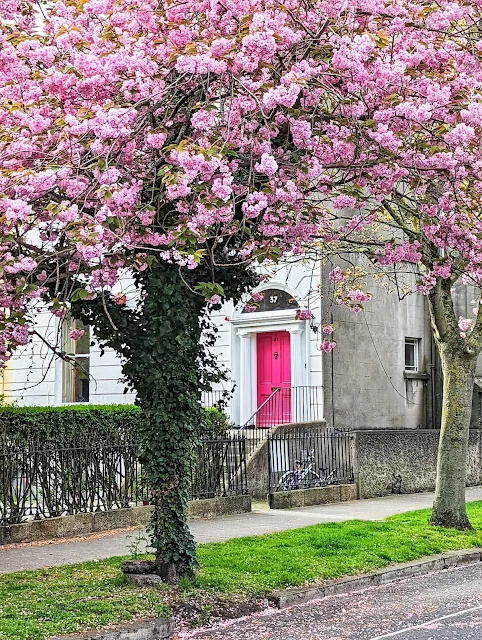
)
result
[(85, 523), (404, 461), (313, 496)]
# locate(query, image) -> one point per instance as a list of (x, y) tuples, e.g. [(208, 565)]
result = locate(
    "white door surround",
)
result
[(245, 326)]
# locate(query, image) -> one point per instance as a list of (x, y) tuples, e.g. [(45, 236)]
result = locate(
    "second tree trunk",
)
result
[(458, 372)]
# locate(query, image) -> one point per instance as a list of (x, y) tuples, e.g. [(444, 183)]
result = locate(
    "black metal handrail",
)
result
[(251, 421), (285, 405)]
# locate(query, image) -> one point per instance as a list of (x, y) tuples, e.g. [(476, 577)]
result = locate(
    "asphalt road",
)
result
[(446, 605)]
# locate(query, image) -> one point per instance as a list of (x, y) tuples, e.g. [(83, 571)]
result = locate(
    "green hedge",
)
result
[(215, 422), (84, 423), (68, 424)]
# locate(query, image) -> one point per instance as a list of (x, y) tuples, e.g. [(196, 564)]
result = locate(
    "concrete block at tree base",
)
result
[(160, 629), (138, 566), (313, 496), (143, 579)]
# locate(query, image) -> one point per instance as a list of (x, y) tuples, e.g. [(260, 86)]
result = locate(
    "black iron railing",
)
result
[(285, 405), (219, 468), (309, 459), (40, 481)]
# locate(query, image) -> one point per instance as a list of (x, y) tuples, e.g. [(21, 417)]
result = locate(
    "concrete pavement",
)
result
[(259, 521), (446, 605)]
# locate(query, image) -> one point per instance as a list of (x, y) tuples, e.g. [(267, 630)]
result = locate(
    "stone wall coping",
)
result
[(383, 430), (416, 375), (86, 523), (329, 494)]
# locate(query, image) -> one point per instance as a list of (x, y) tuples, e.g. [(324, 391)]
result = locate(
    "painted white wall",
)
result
[(36, 373), (36, 377)]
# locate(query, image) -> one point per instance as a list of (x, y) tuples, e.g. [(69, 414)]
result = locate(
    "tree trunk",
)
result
[(163, 343), (458, 372), (168, 463)]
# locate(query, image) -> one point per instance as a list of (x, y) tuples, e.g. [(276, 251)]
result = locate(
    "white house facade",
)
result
[(383, 373)]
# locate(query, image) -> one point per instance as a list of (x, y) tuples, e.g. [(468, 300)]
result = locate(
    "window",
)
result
[(412, 349), (76, 377)]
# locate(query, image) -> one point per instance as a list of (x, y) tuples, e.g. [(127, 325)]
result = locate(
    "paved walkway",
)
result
[(260, 521)]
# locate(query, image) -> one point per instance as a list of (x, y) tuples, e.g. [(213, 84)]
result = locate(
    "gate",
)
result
[(307, 459)]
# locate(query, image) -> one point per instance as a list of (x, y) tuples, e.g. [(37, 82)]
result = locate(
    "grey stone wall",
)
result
[(364, 382), (402, 461)]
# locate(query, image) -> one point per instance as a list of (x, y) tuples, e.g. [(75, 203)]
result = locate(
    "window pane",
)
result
[(409, 355), (67, 382), (82, 345), (81, 380)]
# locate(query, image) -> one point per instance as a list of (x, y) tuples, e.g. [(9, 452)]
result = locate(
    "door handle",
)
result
[(275, 355)]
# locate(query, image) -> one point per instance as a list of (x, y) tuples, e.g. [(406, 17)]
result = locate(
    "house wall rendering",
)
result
[(383, 373)]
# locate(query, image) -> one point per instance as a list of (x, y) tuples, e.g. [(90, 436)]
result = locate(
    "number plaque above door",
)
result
[(272, 300)]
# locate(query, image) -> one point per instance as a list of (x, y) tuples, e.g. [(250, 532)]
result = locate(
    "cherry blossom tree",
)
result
[(402, 134), (204, 135)]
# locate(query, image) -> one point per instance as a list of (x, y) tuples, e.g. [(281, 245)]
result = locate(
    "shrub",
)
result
[(215, 422), (68, 424), (85, 423)]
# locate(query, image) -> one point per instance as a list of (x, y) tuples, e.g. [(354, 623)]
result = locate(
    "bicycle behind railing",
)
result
[(309, 459)]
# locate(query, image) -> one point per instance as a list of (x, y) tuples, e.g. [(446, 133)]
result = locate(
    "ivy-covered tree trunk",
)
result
[(164, 343), (166, 376), (458, 372)]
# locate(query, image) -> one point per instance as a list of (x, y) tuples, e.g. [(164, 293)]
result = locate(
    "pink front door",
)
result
[(274, 371)]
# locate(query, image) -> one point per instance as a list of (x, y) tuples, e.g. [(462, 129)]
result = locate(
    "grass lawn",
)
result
[(37, 604)]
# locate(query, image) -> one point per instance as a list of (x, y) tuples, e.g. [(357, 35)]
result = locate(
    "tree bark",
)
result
[(458, 372), (163, 343)]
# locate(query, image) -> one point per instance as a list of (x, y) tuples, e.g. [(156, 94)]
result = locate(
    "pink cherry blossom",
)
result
[(304, 314), (357, 295), (267, 165), (76, 334), (186, 129), (465, 324), (344, 202), (327, 346)]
